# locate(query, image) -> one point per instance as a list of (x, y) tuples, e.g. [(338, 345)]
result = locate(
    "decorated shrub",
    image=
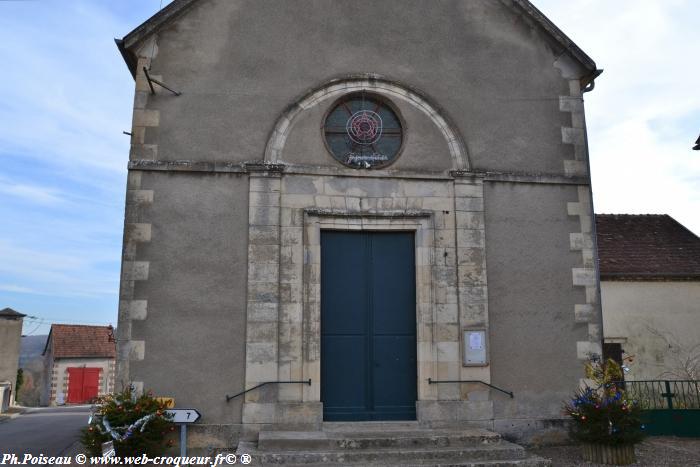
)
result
[(605, 414), (136, 424)]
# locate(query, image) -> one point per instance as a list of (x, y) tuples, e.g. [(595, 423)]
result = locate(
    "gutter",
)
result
[(590, 80), (128, 57)]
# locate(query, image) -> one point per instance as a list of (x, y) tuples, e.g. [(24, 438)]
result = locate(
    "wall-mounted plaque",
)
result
[(475, 347)]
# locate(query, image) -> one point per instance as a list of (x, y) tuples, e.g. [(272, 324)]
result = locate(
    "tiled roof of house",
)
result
[(80, 341), (646, 247), (10, 313)]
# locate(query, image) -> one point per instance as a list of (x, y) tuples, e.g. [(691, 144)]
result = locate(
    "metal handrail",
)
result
[(432, 381), (307, 382)]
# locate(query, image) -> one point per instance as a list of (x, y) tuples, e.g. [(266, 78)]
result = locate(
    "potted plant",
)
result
[(135, 425), (603, 418)]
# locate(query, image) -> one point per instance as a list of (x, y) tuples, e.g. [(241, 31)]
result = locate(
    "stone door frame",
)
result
[(421, 223)]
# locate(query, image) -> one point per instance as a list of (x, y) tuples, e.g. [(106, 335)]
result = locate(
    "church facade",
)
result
[(371, 210)]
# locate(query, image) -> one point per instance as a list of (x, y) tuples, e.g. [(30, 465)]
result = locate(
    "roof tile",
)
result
[(647, 246), (80, 341)]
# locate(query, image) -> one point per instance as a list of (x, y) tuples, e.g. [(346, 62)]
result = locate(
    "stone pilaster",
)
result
[(472, 280), (262, 324), (586, 275)]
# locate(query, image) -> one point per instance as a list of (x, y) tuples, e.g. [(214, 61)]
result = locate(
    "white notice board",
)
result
[(475, 346)]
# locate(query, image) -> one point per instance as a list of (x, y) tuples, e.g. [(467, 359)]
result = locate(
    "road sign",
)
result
[(183, 415)]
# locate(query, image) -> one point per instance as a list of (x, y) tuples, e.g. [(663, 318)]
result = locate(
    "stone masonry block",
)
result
[(583, 276), (585, 349), (574, 136), (258, 198), (427, 189), (261, 332), (437, 204), (263, 235), (454, 410), (588, 258), (263, 272), (469, 295), (133, 180), (469, 190), (146, 117), (143, 152), (137, 232), (570, 104), (470, 220), (262, 311), (470, 256), (264, 184), (263, 254), (580, 241), (139, 196), (264, 215), (137, 309), (263, 291), (135, 270), (136, 349), (575, 168), (473, 238), (445, 238), (584, 313), (292, 217), (303, 185), (448, 351), (261, 352), (575, 88), (469, 204), (586, 224)]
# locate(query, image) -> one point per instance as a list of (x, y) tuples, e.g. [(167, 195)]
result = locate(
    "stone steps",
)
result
[(386, 443), (282, 441)]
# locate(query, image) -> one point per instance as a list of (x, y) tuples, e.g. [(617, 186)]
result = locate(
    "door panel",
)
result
[(368, 326), (82, 384), (90, 383), (75, 385)]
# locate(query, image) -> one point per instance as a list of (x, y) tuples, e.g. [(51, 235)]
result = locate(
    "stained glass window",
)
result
[(363, 131)]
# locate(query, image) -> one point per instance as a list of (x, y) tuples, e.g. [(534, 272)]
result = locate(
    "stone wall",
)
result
[(656, 322), (10, 337)]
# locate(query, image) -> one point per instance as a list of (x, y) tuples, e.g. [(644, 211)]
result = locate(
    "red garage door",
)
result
[(82, 384)]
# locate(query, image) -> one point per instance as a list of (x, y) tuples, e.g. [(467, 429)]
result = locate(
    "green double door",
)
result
[(368, 326)]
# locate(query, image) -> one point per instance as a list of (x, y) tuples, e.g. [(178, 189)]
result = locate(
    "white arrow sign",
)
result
[(183, 415)]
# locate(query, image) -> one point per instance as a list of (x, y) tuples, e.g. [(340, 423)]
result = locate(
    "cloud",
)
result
[(33, 193), (644, 113), (85, 270), (16, 289)]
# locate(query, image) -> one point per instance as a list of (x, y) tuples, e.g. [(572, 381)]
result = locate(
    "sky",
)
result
[(67, 96)]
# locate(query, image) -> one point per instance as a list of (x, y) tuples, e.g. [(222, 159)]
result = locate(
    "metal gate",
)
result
[(671, 407)]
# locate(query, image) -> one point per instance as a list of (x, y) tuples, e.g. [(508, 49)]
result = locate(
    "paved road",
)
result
[(46, 430)]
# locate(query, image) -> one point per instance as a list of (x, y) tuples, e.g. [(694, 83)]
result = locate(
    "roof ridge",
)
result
[(176, 7)]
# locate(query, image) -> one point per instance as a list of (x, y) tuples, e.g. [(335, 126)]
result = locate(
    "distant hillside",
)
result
[(30, 348), (32, 362)]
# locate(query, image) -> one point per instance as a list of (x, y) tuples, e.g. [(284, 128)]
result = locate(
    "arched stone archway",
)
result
[(337, 87)]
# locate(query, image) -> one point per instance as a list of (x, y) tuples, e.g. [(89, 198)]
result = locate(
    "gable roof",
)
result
[(10, 314), (646, 247), (178, 7), (81, 341)]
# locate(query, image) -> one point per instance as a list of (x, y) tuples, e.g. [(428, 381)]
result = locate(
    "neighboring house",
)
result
[(79, 363), (370, 196), (650, 285), (10, 336)]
